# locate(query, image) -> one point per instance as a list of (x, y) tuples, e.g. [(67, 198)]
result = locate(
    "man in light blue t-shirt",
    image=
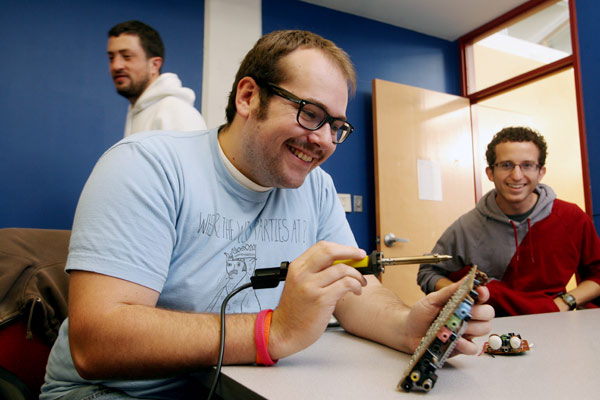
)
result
[(169, 224)]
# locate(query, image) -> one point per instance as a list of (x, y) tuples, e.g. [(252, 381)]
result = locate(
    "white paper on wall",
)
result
[(430, 180)]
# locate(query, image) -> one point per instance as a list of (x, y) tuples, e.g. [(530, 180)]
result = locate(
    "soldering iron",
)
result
[(373, 264)]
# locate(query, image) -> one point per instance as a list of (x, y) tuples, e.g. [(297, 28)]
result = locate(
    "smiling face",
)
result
[(131, 70), (273, 149), (515, 189)]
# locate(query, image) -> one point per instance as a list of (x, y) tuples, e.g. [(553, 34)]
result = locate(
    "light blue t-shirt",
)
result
[(160, 209)]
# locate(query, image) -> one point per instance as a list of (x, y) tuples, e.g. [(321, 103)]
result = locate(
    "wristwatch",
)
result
[(570, 300)]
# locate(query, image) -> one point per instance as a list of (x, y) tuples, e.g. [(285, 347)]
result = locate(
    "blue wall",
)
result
[(588, 15), (60, 110), (378, 51)]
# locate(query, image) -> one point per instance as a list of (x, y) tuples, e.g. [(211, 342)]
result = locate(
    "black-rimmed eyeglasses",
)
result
[(312, 116)]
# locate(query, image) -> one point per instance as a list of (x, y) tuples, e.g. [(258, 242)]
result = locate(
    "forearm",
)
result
[(138, 341), (377, 314), (584, 292), (116, 332), (433, 277), (442, 283)]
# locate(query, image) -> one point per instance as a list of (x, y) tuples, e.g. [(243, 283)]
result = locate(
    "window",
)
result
[(526, 42)]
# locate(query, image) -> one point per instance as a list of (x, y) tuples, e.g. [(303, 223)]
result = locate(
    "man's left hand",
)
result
[(426, 310)]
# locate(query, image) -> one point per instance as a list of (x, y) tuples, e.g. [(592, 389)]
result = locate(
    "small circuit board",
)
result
[(442, 336), (506, 344)]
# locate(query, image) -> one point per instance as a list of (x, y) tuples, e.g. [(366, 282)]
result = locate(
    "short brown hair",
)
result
[(517, 134), (262, 62), (149, 38)]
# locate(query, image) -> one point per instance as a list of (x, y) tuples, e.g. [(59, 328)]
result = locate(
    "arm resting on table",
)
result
[(115, 331)]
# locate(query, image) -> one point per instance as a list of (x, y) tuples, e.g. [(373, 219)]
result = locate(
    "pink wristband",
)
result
[(262, 328)]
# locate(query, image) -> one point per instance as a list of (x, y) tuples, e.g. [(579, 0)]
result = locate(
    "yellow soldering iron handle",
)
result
[(366, 266), (354, 263)]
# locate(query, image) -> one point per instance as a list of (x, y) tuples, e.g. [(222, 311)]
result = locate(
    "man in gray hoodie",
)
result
[(528, 242), (157, 101)]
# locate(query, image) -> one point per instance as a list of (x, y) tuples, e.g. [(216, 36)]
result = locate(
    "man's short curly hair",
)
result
[(517, 134)]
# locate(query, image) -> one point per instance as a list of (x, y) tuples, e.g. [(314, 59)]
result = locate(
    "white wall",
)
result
[(231, 27)]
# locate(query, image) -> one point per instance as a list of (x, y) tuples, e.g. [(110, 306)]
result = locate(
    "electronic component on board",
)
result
[(508, 343), (442, 336)]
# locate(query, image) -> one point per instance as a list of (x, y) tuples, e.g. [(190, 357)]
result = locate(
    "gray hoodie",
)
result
[(485, 237)]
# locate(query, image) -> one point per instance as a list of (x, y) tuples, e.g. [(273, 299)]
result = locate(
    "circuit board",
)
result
[(442, 336), (506, 344)]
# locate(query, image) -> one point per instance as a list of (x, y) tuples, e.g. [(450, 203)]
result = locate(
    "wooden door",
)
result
[(423, 173)]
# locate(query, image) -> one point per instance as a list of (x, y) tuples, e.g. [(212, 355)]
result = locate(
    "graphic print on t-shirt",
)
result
[(241, 261), (240, 264)]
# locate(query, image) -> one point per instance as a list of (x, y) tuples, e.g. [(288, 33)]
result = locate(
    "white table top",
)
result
[(563, 363)]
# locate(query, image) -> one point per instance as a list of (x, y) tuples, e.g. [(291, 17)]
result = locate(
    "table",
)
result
[(562, 364)]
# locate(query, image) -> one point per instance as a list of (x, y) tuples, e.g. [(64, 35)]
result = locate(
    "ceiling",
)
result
[(445, 19)]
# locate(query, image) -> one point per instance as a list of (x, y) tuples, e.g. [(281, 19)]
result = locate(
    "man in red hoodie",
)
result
[(528, 242)]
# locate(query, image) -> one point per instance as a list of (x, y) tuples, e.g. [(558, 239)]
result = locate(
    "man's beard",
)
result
[(134, 90)]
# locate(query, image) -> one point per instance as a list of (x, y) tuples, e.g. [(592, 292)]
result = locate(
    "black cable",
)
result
[(222, 345), (262, 279)]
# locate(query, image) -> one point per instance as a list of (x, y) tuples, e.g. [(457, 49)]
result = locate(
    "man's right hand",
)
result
[(312, 289)]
